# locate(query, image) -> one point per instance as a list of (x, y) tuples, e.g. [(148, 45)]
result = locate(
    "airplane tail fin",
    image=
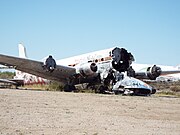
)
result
[(22, 54), (22, 51)]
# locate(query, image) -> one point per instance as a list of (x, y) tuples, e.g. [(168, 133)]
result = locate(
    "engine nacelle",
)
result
[(87, 69), (49, 64), (153, 72)]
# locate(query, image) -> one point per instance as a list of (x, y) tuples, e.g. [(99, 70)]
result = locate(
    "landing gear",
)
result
[(102, 89), (69, 88), (153, 91)]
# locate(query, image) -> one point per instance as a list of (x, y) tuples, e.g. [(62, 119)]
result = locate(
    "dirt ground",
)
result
[(58, 113)]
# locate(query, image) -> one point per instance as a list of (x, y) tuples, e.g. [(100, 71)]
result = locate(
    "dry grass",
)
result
[(175, 88), (53, 86), (167, 88), (163, 88)]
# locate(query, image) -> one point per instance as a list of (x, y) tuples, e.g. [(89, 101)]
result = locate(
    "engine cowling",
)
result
[(153, 72), (87, 69)]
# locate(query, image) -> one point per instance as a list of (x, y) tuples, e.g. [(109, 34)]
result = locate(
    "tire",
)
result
[(69, 88)]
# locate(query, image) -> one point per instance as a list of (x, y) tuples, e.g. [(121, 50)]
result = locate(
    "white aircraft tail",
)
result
[(22, 51), (22, 54)]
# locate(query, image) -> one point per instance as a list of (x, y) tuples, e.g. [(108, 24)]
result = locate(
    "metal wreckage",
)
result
[(116, 76), (113, 72)]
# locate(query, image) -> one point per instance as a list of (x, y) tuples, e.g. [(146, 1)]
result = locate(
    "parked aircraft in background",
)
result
[(22, 78), (27, 78), (110, 67)]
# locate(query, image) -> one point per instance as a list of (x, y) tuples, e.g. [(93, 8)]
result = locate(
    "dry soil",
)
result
[(58, 113)]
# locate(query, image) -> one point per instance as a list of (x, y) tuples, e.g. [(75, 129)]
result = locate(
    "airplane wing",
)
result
[(170, 72), (153, 72), (61, 73), (7, 81)]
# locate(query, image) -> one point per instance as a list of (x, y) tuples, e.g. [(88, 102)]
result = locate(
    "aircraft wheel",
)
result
[(116, 92), (102, 89), (69, 88), (153, 91)]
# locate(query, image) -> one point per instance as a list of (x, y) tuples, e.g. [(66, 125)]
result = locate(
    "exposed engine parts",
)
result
[(121, 75), (116, 76), (149, 73), (153, 72), (50, 64), (131, 72), (121, 59), (87, 69)]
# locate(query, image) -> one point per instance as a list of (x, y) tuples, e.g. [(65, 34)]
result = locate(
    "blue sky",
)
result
[(150, 29)]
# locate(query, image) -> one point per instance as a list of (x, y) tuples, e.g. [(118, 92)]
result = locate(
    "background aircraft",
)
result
[(109, 67)]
